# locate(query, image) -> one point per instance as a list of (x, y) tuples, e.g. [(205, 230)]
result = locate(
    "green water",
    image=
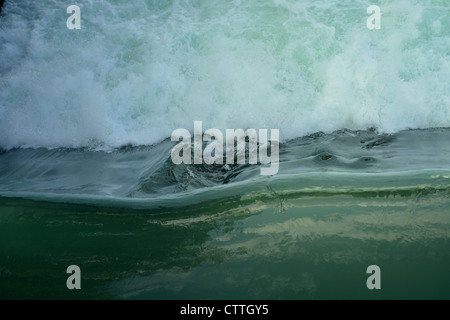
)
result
[(140, 227), (86, 176), (314, 246)]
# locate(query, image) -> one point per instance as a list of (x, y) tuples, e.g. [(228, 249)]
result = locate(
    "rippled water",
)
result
[(86, 176)]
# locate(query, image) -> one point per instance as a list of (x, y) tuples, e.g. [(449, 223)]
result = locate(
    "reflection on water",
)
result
[(310, 250), (309, 232)]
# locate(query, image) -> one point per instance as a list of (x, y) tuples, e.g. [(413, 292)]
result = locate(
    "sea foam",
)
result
[(138, 70)]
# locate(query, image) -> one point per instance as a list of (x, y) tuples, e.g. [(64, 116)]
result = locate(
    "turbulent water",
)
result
[(138, 70), (86, 176)]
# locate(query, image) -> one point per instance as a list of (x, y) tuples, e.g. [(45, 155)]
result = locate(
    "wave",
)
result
[(356, 163), (137, 71)]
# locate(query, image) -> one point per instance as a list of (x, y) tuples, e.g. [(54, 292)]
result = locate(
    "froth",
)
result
[(137, 71)]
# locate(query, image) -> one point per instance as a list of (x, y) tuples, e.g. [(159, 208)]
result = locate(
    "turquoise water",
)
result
[(299, 247), (340, 203), (86, 176)]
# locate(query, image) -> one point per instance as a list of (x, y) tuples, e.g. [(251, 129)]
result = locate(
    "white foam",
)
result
[(137, 70)]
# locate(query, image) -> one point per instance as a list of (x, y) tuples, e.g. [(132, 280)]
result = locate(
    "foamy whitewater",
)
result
[(87, 178), (138, 70)]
